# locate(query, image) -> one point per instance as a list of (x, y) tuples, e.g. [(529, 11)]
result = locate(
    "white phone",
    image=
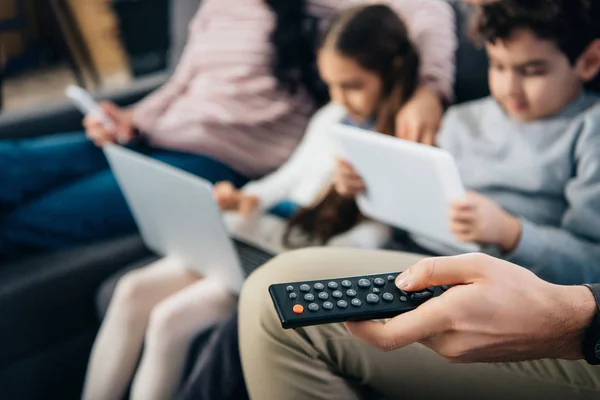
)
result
[(85, 103)]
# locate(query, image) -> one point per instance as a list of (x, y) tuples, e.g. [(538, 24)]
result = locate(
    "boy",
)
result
[(530, 153)]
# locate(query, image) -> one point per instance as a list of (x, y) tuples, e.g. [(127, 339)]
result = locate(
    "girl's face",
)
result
[(356, 89)]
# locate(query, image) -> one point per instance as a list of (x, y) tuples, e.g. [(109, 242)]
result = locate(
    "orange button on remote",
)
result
[(298, 309)]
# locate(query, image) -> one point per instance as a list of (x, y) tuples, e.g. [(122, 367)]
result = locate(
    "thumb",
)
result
[(458, 270)]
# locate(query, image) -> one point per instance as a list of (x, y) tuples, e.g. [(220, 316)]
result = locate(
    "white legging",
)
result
[(160, 307)]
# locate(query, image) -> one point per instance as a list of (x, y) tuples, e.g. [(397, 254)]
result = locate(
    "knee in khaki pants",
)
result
[(325, 363)]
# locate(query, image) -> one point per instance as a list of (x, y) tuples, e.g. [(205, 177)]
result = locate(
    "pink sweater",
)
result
[(223, 102)]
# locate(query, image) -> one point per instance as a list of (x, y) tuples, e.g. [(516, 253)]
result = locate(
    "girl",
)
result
[(369, 82), (372, 69)]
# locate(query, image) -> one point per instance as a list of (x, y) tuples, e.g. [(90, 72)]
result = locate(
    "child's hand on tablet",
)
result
[(227, 196), (346, 181), (231, 199), (475, 218)]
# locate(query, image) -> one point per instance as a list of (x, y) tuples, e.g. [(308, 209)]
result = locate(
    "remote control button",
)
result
[(323, 296), (319, 286), (337, 294), (293, 296), (309, 297), (403, 293), (379, 282), (305, 288), (421, 295), (356, 302), (445, 287), (298, 309), (332, 285), (364, 283), (313, 307), (328, 305), (403, 299), (388, 297), (342, 304), (391, 278), (351, 293), (289, 289), (372, 298), (376, 291), (346, 283)]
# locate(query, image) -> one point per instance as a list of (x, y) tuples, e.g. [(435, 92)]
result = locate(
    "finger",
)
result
[(463, 269), (111, 110), (462, 205), (461, 227), (429, 319), (402, 129), (469, 237), (428, 136), (248, 205), (414, 131), (464, 215), (96, 133), (90, 121)]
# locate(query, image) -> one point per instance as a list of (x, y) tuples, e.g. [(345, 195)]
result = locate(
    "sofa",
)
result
[(47, 303)]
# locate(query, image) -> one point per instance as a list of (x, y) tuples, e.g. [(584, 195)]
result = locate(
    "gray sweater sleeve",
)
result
[(570, 254)]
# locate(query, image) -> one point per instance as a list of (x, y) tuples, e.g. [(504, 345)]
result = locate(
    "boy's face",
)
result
[(530, 77)]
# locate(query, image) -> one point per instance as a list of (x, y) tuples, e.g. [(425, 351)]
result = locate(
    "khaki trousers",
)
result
[(325, 362)]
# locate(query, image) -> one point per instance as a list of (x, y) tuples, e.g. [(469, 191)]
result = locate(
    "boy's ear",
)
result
[(588, 64)]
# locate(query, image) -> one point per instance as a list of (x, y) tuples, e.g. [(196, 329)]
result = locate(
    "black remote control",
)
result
[(356, 298)]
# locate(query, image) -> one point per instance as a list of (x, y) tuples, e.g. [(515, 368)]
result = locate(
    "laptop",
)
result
[(178, 217), (409, 185)]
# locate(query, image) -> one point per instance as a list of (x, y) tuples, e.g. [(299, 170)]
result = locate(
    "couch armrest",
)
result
[(50, 298), (63, 117)]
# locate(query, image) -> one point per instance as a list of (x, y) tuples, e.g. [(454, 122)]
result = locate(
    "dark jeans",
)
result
[(58, 191)]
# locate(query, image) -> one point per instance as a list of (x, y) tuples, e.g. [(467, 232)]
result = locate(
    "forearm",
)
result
[(556, 255), (574, 314)]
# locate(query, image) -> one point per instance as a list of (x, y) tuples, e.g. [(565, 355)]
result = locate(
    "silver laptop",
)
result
[(177, 217)]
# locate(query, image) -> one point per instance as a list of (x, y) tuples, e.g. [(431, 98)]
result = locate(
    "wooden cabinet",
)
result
[(98, 29)]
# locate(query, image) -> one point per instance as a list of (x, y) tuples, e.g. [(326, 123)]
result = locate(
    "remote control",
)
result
[(355, 298)]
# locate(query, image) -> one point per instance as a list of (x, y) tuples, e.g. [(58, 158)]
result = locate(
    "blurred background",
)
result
[(98, 44)]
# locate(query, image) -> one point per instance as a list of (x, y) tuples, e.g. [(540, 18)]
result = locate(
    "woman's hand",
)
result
[(121, 128), (346, 181), (420, 118)]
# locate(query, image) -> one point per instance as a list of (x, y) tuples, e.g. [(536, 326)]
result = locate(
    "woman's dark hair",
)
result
[(377, 39), (295, 39)]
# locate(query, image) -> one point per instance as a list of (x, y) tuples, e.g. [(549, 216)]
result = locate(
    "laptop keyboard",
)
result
[(251, 257)]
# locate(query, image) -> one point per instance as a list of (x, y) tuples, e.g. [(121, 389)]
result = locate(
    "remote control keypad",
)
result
[(339, 294)]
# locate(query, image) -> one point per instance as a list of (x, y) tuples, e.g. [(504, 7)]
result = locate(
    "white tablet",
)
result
[(409, 185)]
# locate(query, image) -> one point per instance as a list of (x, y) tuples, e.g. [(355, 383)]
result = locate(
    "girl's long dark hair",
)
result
[(295, 39), (377, 39)]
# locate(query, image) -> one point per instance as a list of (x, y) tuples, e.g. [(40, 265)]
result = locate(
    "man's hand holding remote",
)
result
[(496, 312)]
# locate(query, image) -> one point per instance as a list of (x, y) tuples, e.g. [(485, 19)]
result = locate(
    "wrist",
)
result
[(573, 317), (512, 233)]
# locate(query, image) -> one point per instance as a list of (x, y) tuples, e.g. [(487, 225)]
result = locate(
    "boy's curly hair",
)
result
[(568, 23)]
